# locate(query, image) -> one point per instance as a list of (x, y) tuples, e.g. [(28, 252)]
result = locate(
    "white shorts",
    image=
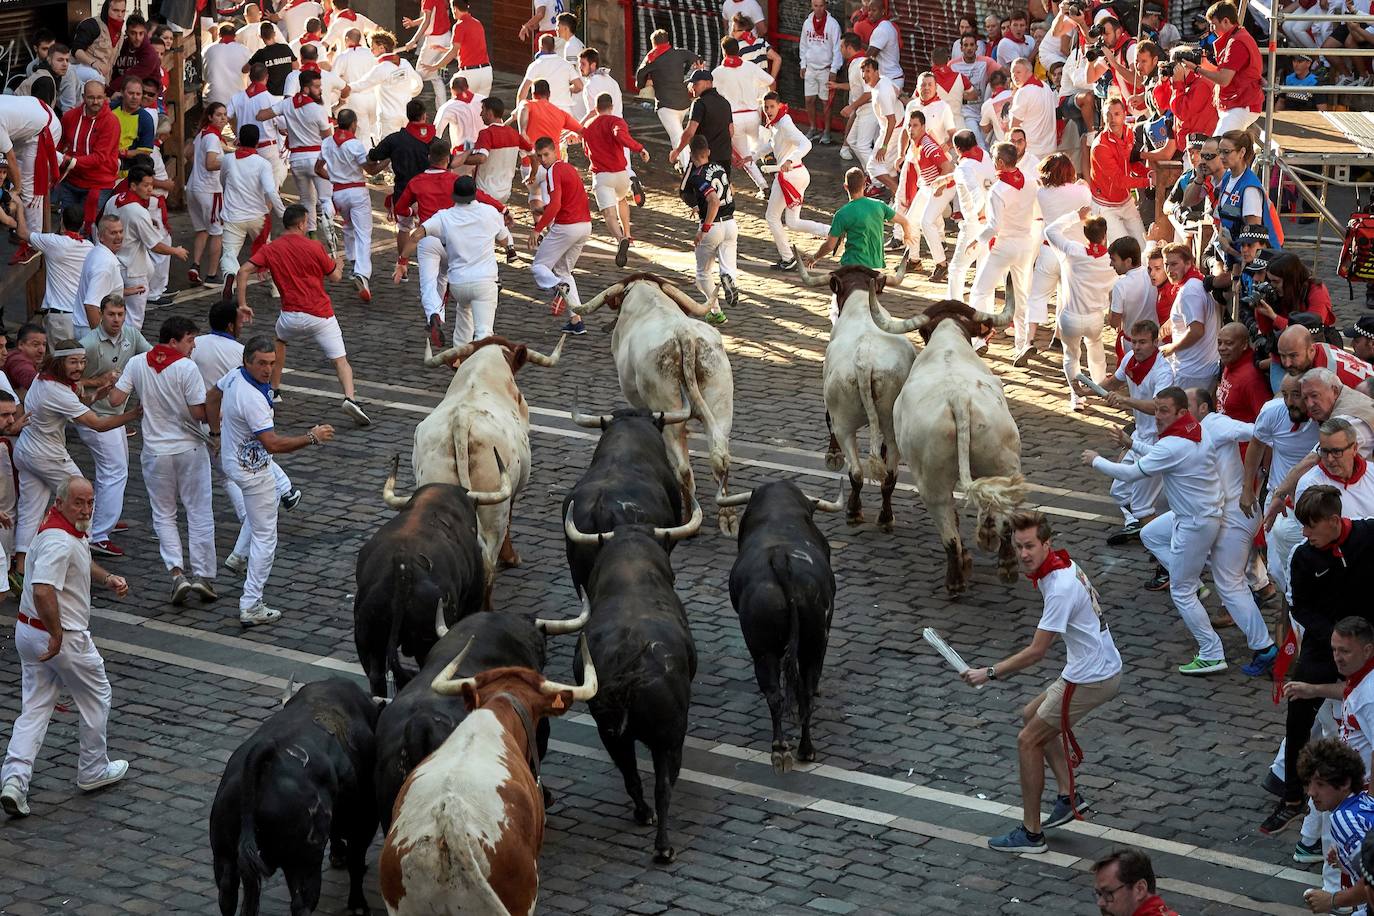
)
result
[(816, 83), (204, 208), (432, 50), (294, 327), (610, 188)]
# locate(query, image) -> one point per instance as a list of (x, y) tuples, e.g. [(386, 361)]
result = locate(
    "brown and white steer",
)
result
[(482, 410), (865, 368), (469, 821), (666, 360), (954, 430)]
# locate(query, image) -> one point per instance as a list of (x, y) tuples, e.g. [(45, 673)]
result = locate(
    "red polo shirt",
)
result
[(1242, 390), (299, 265), (567, 198), (1238, 52), (471, 40)]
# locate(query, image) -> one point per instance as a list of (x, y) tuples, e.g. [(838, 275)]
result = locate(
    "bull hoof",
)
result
[(727, 520), (1007, 574), (834, 461), (854, 518), (806, 753), (782, 761), (886, 523), (664, 856), (508, 562), (644, 817)]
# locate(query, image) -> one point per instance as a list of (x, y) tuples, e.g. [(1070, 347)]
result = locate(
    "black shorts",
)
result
[(1341, 32)]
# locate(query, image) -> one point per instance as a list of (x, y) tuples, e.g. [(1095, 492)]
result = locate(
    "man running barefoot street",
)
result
[(1091, 677), (299, 267)]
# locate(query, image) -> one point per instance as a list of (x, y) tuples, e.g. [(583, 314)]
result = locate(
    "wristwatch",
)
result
[(992, 672)]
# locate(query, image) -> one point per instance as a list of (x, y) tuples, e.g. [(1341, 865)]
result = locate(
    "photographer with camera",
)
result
[(1296, 290), (1240, 92), (1191, 98), (1119, 50), (1184, 218)]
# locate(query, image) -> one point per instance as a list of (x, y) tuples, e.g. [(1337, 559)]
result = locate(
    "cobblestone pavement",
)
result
[(915, 770)]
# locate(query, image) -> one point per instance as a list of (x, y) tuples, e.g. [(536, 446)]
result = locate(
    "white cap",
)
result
[(1105, 12)]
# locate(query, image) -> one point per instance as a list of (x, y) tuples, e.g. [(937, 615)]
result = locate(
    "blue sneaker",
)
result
[(578, 329), (1304, 854), (1018, 841), (1063, 813), (1262, 661)]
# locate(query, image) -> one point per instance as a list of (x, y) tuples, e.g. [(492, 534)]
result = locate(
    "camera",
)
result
[(1260, 293), (1095, 51), (1072, 8), (1191, 55), (1096, 32)]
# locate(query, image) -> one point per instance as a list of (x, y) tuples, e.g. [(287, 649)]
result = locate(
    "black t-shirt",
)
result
[(712, 113), (278, 59), (701, 183), (409, 157), (667, 73), (1326, 586)]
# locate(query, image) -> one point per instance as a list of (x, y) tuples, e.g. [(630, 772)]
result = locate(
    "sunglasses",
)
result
[(1208, 156)]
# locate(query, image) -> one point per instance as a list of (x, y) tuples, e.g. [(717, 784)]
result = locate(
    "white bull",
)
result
[(482, 414), (666, 360), (954, 430), (865, 367)]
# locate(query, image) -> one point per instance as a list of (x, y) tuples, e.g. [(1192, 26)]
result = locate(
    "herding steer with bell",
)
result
[(660, 351)]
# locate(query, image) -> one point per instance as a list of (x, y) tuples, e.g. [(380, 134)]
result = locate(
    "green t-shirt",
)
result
[(860, 223)]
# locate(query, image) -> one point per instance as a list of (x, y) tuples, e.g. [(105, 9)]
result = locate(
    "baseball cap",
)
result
[(696, 75), (464, 189), (1362, 328), (1261, 261)]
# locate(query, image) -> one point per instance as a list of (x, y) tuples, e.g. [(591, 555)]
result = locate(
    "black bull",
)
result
[(302, 779)]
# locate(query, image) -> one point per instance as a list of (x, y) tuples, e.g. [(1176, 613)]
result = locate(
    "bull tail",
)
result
[(401, 598), (252, 868), (994, 498), (719, 444), (874, 468), (791, 666)]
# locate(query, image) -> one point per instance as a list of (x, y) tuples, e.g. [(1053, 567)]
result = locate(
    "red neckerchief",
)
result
[(309, 66), (300, 100), (1154, 905), (1354, 680), (243, 152), (1057, 559), (343, 136), (1334, 548), (228, 39), (782, 113), (1185, 427), (116, 27), (1014, 177), (49, 377), (1096, 250), (210, 129), (162, 356), (420, 131), (309, 37), (747, 38), (976, 154), (465, 96), (818, 22), (1033, 81), (350, 15), (128, 197), (74, 235), (732, 62), (1192, 274), (1356, 472), (255, 89), (657, 52), (1136, 370), (56, 519), (393, 58)]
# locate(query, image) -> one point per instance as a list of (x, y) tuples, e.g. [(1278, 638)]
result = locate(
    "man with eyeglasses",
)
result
[(1124, 885), (1340, 465)]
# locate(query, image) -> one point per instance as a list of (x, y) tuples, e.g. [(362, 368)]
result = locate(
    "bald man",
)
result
[(1299, 351), (1243, 390)]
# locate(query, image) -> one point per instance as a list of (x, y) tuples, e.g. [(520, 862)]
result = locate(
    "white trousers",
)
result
[(1230, 557), (27, 154), (474, 309), (1008, 255), (1076, 330), (79, 668), (161, 268), (1280, 540), (1137, 499), (1122, 220), (430, 261), (1182, 546), (1235, 119), (281, 483), (256, 506), (354, 207), (929, 207), (235, 234), (745, 139), (183, 477), (1044, 282), (39, 478), (314, 191), (110, 452), (862, 135), (479, 80), (364, 105), (673, 120), (136, 304), (968, 252), (557, 255), (778, 214), (719, 245)]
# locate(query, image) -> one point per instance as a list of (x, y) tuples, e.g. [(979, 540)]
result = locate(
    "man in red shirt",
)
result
[(538, 117), (1240, 96), (434, 38), (88, 154), (606, 138), (299, 266), (1193, 103), (568, 219), (1112, 176), (1243, 390), (470, 50)]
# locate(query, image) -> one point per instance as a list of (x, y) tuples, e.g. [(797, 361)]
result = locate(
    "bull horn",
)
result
[(999, 319), (738, 499), (290, 691), (490, 497), (679, 532), (440, 626), (589, 421), (600, 299), (539, 359), (899, 275), (580, 538), (589, 685), (684, 301), (807, 277), (389, 488), (826, 505), (445, 356), (892, 325), (559, 627), (444, 682), (681, 415)]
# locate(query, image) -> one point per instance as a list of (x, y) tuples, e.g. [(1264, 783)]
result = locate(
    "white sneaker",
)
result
[(845, 154), (115, 770), (257, 615), (236, 562), (13, 800), (351, 408)]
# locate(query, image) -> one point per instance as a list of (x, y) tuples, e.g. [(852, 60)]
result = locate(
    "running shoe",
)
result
[(577, 329), (1261, 662), (289, 500), (731, 291), (257, 615), (1201, 666), (940, 274), (715, 316), (228, 293), (1063, 813), (106, 548), (559, 302), (180, 589), (1159, 581), (351, 408), (115, 770), (636, 191), (1019, 840), (1023, 357), (193, 276), (785, 264), (1284, 813), (364, 291), (622, 253), (1304, 854), (435, 329), (203, 589), (1127, 532)]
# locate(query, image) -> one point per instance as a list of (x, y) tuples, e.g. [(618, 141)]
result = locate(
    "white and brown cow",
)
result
[(954, 430), (482, 413), (865, 368), (469, 821), (666, 360)]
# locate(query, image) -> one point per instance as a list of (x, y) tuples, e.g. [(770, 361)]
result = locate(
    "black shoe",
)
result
[(893, 244), (512, 254), (228, 294), (164, 299), (1283, 814), (622, 253), (1159, 581), (1125, 533), (636, 192), (291, 499), (785, 264), (276, 396), (435, 328)]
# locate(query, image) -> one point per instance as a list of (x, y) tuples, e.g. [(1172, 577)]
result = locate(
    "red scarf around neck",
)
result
[(1192, 274), (1014, 177), (116, 27), (818, 22), (1356, 472), (310, 66), (465, 96), (747, 38), (55, 519), (1096, 250), (1137, 370), (1354, 680), (732, 62), (1185, 427), (255, 89), (162, 356), (1033, 81), (243, 152), (657, 52), (343, 136), (350, 15), (1057, 559), (1334, 548), (976, 154), (210, 129), (393, 58), (228, 39), (49, 377), (782, 113), (311, 38), (300, 100), (420, 131)]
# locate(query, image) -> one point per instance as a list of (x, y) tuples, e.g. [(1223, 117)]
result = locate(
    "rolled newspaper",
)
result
[(1086, 381), (770, 168), (955, 660)]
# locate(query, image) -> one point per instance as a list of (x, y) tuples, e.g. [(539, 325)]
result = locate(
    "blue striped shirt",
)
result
[(1350, 821)]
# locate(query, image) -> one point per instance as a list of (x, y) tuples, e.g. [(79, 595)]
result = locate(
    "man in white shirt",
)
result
[(863, 127), (729, 9), (885, 43), (239, 408), (341, 162), (1015, 42), (250, 35), (56, 651), (886, 109), (351, 65), (1195, 322), (250, 193), (994, 113), (596, 82), (566, 41), (64, 255), (392, 82), (1182, 538), (940, 122), (1091, 677), (743, 85), (1084, 294), (543, 21), (295, 16), (102, 275), (143, 237), (973, 173), (1033, 108), (496, 151), (333, 90), (1133, 294), (244, 108), (1284, 434), (1340, 465), (1009, 236), (563, 79), (459, 120), (345, 20), (29, 133), (819, 57), (224, 62), (176, 460), (307, 123)]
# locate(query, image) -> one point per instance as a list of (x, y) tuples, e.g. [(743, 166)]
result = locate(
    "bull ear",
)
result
[(518, 357)]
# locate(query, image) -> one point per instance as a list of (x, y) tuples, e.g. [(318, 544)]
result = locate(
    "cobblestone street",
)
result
[(914, 768)]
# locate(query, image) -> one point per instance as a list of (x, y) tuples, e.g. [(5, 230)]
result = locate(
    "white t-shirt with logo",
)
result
[(167, 397), (1357, 719), (244, 412), (1072, 610)]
